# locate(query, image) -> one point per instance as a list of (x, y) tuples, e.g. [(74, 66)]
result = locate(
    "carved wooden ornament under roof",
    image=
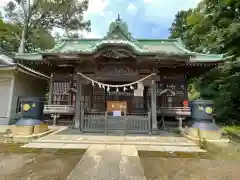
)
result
[(115, 54), (117, 69)]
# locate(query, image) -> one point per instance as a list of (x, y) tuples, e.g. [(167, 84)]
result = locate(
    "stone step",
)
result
[(143, 149), (170, 149), (108, 162), (55, 146), (187, 144)]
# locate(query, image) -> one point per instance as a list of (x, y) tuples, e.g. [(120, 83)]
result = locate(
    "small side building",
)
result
[(17, 80)]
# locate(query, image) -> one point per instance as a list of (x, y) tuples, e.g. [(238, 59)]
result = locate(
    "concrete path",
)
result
[(101, 162)]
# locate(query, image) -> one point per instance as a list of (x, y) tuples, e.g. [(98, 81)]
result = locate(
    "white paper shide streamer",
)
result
[(129, 86)]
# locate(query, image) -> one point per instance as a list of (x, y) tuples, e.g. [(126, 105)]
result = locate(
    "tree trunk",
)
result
[(22, 45), (21, 48)]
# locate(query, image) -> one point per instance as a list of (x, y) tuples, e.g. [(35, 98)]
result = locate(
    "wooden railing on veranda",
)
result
[(174, 111), (59, 109), (70, 109)]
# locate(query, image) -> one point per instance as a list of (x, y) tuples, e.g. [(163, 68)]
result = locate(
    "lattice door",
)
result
[(61, 92)]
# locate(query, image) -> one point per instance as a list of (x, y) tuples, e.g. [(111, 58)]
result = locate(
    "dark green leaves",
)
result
[(214, 26), (42, 16)]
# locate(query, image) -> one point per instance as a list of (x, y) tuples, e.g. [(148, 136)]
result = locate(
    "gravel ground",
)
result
[(19, 164), (218, 164), (190, 169), (33, 164)]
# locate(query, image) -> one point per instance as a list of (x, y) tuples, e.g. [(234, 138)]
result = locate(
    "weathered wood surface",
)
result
[(59, 109), (127, 123), (174, 111)]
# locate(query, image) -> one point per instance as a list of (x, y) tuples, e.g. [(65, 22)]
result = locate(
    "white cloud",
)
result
[(165, 10), (3, 3), (131, 9), (84, 34), (89, 35), (96, 6), (148, 1)]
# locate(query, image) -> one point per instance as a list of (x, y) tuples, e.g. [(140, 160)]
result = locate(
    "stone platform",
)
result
[(70, 140)]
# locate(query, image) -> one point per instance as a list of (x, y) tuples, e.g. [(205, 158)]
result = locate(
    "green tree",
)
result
[(10, 37), (180, 24), (35, 16), (213, 27)]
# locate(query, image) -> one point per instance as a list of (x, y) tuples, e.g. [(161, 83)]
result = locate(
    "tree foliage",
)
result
[(214, 27), (36, 16), (10, 34), (9, 39)]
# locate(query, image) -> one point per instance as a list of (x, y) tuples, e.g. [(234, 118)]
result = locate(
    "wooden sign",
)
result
[(116, 106)]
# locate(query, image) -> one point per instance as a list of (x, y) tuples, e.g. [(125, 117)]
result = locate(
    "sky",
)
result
[(145, 18)]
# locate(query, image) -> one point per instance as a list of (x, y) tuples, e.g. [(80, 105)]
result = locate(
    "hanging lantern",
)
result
[(124, 89), (117, 90), (108, 88), (131, 87), (99, 85)]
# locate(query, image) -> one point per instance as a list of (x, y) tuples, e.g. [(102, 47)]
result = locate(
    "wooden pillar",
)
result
[(154, 105), (50, 93), (185, 87), (70, 92), (145, 99), (90, 97), (78, 103)]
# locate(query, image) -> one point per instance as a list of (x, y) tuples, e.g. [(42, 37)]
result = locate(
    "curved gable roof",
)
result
[(118, 35)]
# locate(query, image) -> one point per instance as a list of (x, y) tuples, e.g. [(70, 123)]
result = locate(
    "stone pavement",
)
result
[(111, 157), (71, 140), (144, 147), (171, 140), (109, 162)]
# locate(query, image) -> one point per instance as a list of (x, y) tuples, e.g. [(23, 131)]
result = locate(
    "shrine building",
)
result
[(118, 83)]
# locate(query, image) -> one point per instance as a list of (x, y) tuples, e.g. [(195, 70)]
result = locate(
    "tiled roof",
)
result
[(118, 35), (6, 63)]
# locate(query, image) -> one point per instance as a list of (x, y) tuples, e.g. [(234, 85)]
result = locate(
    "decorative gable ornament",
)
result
[(114, 54)]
